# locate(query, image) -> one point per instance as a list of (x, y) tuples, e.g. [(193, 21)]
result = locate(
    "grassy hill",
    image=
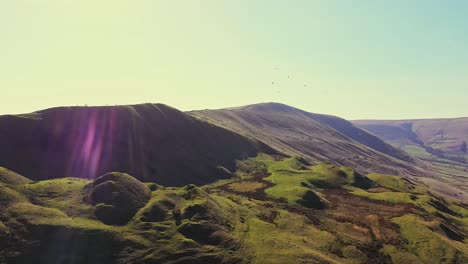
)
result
[(274, 210), (153, 142)]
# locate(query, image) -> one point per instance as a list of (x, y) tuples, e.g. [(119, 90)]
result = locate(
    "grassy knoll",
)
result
[(426, 242), (65, 194), (294, 181)]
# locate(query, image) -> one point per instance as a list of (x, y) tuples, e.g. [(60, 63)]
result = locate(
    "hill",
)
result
[(444, 138), (315, 137), (441, 142), (152, 142), (276, 210)]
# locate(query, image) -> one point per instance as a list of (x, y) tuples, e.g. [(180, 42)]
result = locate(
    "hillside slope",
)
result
[(313, 136), (153, 142), (445, 138), (307, 214)]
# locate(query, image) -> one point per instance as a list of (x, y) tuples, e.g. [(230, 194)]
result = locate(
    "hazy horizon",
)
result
[(353, 59), (236, 106)]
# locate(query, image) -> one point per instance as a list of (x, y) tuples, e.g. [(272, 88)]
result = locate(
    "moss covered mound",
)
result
[(13, 178), (157, 212), (117, 197), (361, 181), (205, 233)]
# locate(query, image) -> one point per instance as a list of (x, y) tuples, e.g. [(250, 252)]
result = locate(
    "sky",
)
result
[(357, 59)]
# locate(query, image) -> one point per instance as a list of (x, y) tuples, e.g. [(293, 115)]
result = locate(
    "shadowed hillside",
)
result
[(316, 137), (153, 142)]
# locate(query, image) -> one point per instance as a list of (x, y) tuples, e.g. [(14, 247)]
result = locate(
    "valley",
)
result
[(228, 186)]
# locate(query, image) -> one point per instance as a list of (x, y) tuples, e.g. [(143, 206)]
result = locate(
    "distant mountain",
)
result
[(444, 138), (152, 142), (316, 137)]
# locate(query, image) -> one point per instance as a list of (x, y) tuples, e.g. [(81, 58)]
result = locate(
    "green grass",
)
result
[(289, 245), (34, 214), (404, 192), (393, 197), (10, 177), (287, 182), (399, 256), (463, 211), (408, 193), (395, 183), (417, 151), (329, 176), (116, 197), (428, 245), (222, 226), (292, 179), (9, 196), (288, 238), (65, 194)]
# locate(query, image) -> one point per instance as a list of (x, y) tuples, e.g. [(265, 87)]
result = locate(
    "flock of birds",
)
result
[(275, 83)]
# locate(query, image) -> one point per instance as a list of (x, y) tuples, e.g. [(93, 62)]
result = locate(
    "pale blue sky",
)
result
[(355, 59)]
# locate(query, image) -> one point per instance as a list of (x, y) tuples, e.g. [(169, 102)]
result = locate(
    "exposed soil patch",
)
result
[(257, 193), (246, 186), (268, 217), (372, 214)]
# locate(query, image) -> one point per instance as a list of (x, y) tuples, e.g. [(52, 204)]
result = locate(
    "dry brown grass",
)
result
[(246, 186)]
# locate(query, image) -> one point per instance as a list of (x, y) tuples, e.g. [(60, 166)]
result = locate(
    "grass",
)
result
[(215, 225), (283, 237), (9, 196), (116, 197), (10, 177), (417, 151), (65, 194), (392, 197), (47, 216), (399, 256), (408, 193), (390, 181), (293, 180), (403, 192), (428, 245), (289, 245), (287, 178)]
